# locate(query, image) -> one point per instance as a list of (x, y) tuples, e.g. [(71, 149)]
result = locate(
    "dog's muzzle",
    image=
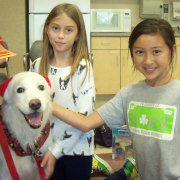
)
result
[(34, 119)]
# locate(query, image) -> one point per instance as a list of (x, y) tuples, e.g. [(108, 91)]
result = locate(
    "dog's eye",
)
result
[(41, 87), (20, 90)]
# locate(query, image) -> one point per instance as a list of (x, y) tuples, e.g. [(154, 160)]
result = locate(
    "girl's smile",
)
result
[(150, 70)]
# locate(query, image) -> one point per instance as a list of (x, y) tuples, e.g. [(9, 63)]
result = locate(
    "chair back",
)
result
[(34, 53), (35, 50)]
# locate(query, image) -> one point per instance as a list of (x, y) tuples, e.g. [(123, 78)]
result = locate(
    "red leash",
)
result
[(41, 169), (9, 159), (7, 155)]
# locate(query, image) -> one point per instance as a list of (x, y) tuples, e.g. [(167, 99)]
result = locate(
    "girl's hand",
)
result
[(49, 160)]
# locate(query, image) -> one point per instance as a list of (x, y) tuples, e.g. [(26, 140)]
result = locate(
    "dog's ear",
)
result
[(48, 81), (4, 86)]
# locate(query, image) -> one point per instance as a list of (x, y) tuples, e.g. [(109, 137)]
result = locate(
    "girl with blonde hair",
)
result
[(65, 60)]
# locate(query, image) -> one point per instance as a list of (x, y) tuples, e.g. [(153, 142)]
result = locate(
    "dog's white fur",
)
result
[(14, 106)]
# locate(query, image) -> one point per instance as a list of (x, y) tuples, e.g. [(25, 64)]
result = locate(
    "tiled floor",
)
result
[(101, 150), (102, 99)]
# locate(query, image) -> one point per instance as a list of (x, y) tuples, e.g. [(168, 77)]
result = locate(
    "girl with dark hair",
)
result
[(149, 108)]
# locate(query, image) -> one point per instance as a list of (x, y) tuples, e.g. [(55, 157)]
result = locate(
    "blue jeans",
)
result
[(73, 168), (118, 175)]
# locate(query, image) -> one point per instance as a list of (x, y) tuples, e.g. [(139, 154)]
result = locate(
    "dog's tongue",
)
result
[(34, 118)]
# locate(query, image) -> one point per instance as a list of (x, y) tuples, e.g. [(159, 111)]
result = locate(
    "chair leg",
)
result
[(7, 70)]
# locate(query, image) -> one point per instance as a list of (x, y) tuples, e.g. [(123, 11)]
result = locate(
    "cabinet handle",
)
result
[(106, 43), (117, 60), (123, 61)]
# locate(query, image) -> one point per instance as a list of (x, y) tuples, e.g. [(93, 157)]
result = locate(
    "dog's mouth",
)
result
[(34, 119)]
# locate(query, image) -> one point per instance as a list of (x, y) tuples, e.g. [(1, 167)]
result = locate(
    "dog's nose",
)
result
[(35, 104)]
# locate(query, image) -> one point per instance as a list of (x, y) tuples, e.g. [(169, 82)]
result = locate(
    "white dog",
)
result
[(25, 111)]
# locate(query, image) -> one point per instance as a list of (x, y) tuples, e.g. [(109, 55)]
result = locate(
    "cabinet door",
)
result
[(178, 41), (128, 74), (105, 43), (106, 71), (124, 42), (176, 73)]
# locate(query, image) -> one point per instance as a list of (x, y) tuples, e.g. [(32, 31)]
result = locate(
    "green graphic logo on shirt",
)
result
[(155, 120)]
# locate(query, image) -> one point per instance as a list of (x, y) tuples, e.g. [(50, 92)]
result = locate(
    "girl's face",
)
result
[(151, 57), (62, 32)]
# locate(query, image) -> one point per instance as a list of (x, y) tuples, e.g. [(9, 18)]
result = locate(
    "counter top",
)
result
[(126, 34), (107, 34), (177, 34)]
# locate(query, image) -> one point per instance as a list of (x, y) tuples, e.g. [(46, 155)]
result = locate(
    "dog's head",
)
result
[(27, 93)]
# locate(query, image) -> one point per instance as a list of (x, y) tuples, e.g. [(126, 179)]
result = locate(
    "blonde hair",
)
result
[(79, 49)]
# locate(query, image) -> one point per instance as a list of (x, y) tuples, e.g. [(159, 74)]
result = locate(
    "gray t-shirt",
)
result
[(151, 114)]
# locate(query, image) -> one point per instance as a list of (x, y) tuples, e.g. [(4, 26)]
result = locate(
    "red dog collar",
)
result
[(16, 147)]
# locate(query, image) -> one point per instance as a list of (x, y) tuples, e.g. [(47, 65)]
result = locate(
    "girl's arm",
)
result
[(84, 103), (81, 122)]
